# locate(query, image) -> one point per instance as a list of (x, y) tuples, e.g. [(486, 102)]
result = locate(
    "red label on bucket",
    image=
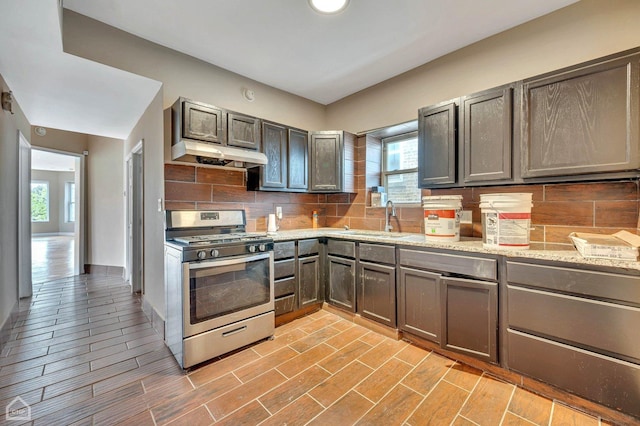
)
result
[(514, 215), (446, 214)]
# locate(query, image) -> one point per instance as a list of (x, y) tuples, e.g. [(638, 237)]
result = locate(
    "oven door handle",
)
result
[(228, 261)]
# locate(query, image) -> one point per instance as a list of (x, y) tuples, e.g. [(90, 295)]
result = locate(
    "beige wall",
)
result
[(56, 223), (9, 127), (150, 130), (583, 31), (183, 75), (60, 140), (105, 201)]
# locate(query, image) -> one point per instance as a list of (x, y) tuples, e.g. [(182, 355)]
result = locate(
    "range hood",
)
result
[(216, 155)]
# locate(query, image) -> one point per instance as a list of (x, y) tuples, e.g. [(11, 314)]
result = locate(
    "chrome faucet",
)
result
[(387, 225)]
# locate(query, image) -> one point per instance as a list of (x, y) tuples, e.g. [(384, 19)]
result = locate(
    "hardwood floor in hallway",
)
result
[(83, 352), (51, 257)]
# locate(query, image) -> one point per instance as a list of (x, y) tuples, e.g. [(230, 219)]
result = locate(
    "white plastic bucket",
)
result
[(506, 220), (442, 217)]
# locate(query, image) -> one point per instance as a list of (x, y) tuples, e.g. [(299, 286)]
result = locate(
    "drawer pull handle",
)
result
[(237, 330)]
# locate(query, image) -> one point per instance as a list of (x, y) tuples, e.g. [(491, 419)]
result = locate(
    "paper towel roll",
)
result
[(271, 223)]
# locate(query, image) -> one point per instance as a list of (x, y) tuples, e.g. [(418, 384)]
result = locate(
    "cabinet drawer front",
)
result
[(605, 380), (342, 248), (308, 247), (605, 327), (377, 253), (285, 304), (606, 285), (284, 268), (284, 250), (284, 286), (456, 264)]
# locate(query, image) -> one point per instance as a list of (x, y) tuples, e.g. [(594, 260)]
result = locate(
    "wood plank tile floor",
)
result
[(83, 352), (51, 257)]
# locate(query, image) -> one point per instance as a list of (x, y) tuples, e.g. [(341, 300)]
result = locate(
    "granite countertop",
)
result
[(552, 252)]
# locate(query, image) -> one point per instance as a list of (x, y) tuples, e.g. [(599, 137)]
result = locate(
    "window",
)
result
[(39, 201), (400, 168), (69, 202)]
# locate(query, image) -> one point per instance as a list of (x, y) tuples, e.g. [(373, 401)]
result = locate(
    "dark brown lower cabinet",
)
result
[(309, 273), (284, 272), (470, 317), (342, 282), (419, 303), (377, 292), (576, 329)]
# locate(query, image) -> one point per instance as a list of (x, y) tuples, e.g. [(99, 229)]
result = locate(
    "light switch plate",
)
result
[(466, 217), (279, 212)]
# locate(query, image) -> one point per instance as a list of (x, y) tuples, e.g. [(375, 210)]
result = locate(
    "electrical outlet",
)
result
[(279, 212)]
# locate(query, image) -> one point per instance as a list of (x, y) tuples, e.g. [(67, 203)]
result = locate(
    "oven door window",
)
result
[(226, 288)]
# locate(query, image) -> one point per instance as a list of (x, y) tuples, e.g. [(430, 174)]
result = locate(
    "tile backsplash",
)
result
[(558, 209)]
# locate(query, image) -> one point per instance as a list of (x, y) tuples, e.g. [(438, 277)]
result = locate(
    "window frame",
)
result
[(48, 185), (384, 174), (69, 200)]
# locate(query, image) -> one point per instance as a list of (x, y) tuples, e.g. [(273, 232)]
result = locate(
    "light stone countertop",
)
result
[(550, 252)]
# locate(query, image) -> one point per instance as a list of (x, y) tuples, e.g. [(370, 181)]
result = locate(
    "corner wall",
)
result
[(150, 129), (9, 127)]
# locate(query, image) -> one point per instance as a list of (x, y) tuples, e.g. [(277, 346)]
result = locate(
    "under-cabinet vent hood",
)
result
[(216, 155)]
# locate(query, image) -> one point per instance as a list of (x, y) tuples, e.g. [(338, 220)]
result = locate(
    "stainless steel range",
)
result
[(219, 284)]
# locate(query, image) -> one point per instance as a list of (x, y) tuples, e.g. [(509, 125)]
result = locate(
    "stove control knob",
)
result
[(214, 253), (253, 249), (201, 254), (262, 247)]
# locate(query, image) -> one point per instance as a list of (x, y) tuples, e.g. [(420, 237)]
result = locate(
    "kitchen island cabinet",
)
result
[(576, 329)]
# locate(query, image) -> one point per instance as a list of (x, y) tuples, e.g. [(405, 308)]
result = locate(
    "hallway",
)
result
[(51, 258)]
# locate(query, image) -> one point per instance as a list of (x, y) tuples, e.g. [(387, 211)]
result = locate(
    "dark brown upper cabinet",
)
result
[(331, 161), (486, 135), (298, 167), (287, 167), (583, 119), (202, 122), (437, 145), (243, 131), (274, 142)]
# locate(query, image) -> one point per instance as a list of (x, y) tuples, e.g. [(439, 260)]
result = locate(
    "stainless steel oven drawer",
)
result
[(210, 344)]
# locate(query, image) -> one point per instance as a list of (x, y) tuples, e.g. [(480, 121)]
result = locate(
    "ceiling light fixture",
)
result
[(329, 6)]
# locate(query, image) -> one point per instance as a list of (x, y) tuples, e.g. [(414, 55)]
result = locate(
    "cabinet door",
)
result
[(419, 303), (298, 159), (342, 282), (274, 146), (326, 162), (470, 317), (487, 135), (243, 131), (203, 122), (377, 293), (582, 121), (309, 281), (437, 145)]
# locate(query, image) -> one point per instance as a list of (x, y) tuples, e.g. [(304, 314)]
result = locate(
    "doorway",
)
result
[(55, 192), (135, 219)]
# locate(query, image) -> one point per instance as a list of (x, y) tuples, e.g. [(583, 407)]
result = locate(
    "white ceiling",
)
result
[(282, 43), (62, 91), (285, 44), (45, 160)]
